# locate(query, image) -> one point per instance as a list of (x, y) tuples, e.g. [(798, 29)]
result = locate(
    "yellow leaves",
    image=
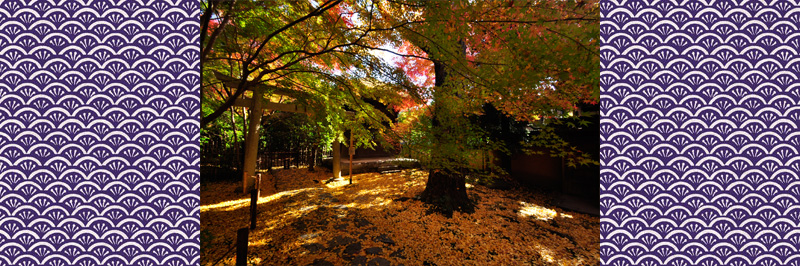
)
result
[(505, 229), (538, 212)]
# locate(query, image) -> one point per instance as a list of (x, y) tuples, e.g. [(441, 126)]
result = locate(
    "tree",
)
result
[(530, 60)]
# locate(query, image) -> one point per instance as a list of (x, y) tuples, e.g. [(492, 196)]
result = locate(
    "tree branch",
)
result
[(246, 64), (324, 7), (216, 33), (574, 40)]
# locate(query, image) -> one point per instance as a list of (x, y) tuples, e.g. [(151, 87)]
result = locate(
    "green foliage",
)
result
[(320, 51)]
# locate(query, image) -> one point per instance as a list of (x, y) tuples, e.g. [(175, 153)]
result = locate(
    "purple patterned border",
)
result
[(699, 133), (99, 127)]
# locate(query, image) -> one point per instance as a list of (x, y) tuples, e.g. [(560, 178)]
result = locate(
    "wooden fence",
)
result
[(216, 154), (287, 159)]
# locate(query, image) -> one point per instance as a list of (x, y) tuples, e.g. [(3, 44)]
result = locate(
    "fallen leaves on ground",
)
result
[(302, 221)]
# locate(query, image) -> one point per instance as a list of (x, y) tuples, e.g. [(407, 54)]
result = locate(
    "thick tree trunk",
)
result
[(445, 190)]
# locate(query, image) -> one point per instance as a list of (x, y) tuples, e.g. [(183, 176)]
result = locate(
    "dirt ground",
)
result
[(377, 221)]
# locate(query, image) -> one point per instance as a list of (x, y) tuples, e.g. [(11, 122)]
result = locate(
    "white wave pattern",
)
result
[(699, 133), (99, 128)]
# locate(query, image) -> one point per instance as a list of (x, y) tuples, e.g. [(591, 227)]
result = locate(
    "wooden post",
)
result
[(352, 150), (241, 246), (337, 159), (259, 181), (251, 143), (253, 207)]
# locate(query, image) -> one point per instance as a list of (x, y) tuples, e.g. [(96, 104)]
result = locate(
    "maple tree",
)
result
[(527, 59)]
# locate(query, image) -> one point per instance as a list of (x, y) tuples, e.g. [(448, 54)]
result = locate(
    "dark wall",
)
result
[(537, 171), (546, 172), (549, 173)]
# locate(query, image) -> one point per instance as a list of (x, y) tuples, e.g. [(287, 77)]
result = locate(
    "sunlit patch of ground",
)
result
[(303, 222)]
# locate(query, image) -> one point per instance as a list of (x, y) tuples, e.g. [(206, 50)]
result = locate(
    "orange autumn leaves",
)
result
[(378, 207), (418, 69), (525, 58)]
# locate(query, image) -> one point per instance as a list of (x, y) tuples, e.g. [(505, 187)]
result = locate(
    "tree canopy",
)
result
[(530, 60), (320, 52)]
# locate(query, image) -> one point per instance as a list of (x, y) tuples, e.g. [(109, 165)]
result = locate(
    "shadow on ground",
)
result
[(376, 221)]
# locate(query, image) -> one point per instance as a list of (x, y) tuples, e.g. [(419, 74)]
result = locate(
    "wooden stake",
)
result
[(351, 151), (253, 207), (241, 246), (254, 194), (337, 158)]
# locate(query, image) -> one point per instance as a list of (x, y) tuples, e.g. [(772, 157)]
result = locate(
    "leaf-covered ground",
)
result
[(376, 221)]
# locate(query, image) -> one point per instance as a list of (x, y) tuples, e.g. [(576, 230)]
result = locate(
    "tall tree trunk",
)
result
[(445, 189), (313, 163)]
